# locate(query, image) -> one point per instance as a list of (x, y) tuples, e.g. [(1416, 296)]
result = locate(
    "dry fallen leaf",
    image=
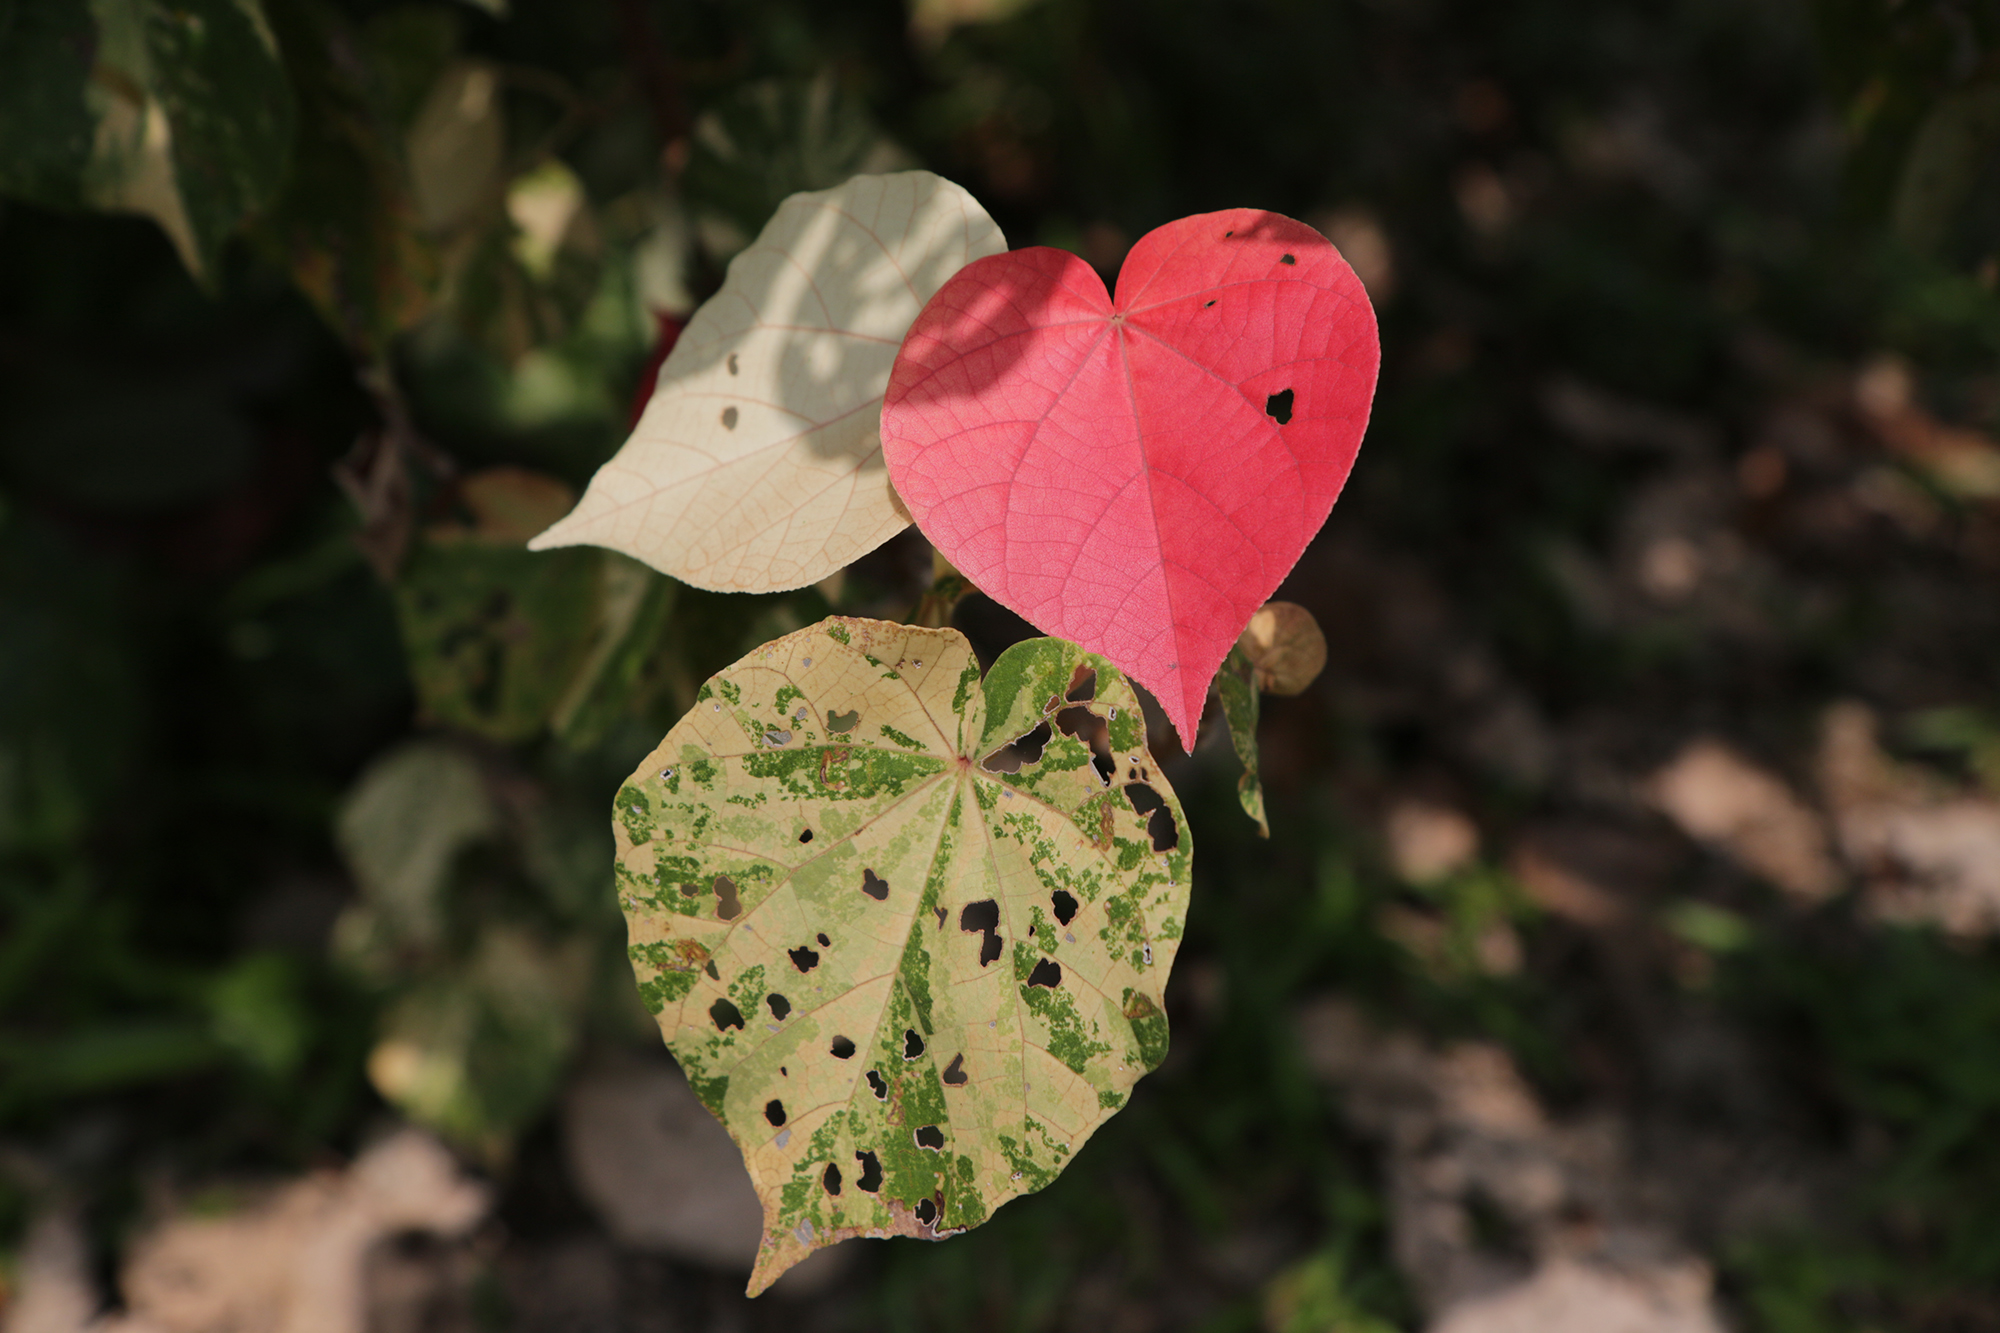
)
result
[(757, 466), (905, 930), (1720, 798)]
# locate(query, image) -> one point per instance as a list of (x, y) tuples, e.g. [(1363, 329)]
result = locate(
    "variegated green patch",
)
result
[(906, 930)]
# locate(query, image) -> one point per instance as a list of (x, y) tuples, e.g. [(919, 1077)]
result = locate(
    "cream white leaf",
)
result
[(757, 466)]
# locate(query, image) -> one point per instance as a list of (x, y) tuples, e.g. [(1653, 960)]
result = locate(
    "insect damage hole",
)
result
[(843, 1049), (823, 940), (954, 1073), (1048, 972), (780, 1006), (1288, 259), (878, 1085), (1094, 731), (842, 722), (729, 418), (913, 1045), (930, 1136), (732, 363), (983, 917), (1160, 826), (831, 1179), (726, 1015), (874, 886), (806, 836), (727, 905), (774, 1111), (927, 1212), (1018, 753), (1082, 685), (871, 1172), (1065, 904), (1279, 407), (804, 959)]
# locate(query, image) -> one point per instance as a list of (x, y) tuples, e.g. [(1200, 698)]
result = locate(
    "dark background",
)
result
[(1659, 748)]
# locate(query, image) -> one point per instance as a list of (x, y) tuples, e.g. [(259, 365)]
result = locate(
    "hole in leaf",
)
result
[(954, 1073), (874, 886), (843, 1049), (1289, 259), (831, 1179), (804, 959), (727, 905), (1093, 731), (690, 889), (1065, 905), (1279, 407), (1082, 685), (777, 739), (983, 917), (940, 915), (1209, 304), (806, 836), (732, 363), (1160, 826), (823, 940), (879, 1086), (1048, 973), (726, 1015), (930, 1136), (713, 975), (1227, 234), (843, 722), (774, 1111), (871, 1172), (1019, 752), (780, 1006), (729, 418), (913, 1045), (926, 1211)]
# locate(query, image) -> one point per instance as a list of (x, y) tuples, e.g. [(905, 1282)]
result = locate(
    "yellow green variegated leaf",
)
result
[(757, 466), (906, 930)]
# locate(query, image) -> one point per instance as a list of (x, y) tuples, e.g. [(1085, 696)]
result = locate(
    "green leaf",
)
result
[(46, 126), (1952, 153), (774, 138), (906, 931), (1236, 686), (505, 642), (176, 109), (403, 825), (345, 225), (477, 1049)]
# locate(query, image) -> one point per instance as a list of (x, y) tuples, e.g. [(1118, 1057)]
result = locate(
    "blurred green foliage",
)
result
[(302, 780)]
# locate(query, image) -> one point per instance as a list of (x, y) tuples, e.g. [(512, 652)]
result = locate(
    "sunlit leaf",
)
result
[(906, 930), (1137, 473), (757, 465)]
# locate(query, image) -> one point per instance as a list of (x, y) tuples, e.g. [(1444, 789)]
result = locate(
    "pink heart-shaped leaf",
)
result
[(1138, 473)]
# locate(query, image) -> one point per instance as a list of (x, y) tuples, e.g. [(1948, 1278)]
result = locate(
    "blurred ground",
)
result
[(1622, 958)]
